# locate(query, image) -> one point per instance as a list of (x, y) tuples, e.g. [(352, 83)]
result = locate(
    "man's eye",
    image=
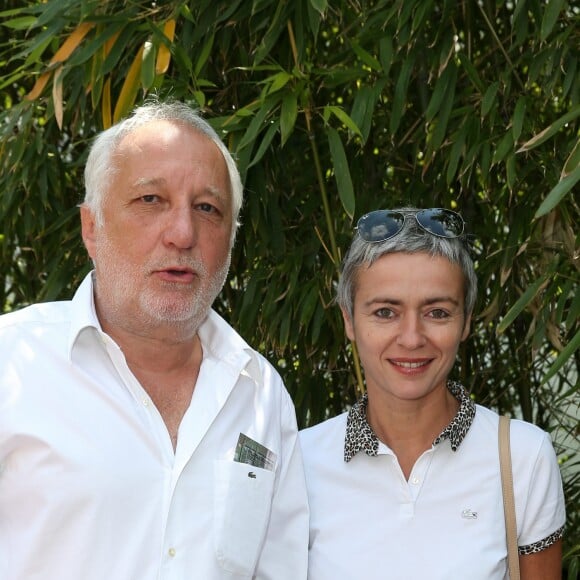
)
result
[(149, 198), (207, 208)]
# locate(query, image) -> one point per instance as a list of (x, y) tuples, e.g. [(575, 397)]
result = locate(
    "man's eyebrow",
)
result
[(147, 181)]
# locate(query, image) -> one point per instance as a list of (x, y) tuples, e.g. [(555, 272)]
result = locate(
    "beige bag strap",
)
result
[(509, 508)]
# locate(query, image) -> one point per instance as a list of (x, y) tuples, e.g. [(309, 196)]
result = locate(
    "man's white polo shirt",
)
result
[(446, 521), (90, 488)]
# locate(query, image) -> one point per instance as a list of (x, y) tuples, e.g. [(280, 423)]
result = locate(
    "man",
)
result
[(140, 436)]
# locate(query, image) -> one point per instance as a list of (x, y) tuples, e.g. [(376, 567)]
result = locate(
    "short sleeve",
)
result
[(541, 498)]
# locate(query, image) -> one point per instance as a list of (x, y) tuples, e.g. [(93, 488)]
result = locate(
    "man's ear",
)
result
[(466, 327), (88, 230), (348, 324)]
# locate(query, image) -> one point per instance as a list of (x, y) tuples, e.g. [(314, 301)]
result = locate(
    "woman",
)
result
[(406, 485)]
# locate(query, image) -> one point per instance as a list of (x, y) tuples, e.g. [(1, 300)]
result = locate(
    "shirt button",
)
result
[(415, 481), (145, 402), (171, 552)]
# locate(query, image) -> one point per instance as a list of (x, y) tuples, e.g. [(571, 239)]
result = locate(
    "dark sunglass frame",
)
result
[(384, 224)]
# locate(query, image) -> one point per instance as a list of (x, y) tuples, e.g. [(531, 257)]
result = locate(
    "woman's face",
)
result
[(408, 320)]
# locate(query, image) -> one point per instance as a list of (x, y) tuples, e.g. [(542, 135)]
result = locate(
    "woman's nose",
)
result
[(411, 334)]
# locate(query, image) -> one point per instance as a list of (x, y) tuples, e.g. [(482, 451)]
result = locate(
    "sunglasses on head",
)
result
[(383, 224)]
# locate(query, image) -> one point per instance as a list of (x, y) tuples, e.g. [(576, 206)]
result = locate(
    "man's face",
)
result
[(163, 251)]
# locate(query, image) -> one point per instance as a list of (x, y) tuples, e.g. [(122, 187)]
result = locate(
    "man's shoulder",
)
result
[(36, 314)]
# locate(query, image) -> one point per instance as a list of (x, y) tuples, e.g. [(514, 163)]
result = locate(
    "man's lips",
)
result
[(175, 274)]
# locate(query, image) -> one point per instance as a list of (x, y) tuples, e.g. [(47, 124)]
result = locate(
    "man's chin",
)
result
[(176, 314)]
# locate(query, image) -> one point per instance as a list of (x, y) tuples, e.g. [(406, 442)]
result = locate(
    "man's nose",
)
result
[(180, 230)]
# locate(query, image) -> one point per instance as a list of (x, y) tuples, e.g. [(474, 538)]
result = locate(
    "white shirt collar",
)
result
[(217, 337)]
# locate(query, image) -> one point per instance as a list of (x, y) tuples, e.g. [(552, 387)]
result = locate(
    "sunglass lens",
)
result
[(380, 225), (441, 222)]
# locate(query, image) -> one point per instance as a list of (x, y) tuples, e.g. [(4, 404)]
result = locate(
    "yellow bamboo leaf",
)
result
[(164, 54), (71, 42), (61, 55), (97, 66), (38, 87), (106, 104), (109, 43), (130, 88), (57, 96)]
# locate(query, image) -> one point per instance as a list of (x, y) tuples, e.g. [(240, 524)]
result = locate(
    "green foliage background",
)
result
[(332, 109)]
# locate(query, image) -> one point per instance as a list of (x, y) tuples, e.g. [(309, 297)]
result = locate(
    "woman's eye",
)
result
[(384, 313), (438, 314)]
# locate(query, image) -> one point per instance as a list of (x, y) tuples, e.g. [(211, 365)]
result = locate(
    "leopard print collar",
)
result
[(360, 436)]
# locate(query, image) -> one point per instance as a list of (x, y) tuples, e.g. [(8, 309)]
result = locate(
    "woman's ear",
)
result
[(466, 327), (348, 324)]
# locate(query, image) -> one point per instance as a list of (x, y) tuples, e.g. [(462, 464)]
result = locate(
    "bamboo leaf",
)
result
[(386, 53), (288, 116), (308, 304), (319, 5), (57, 96), (489, 99), (265, 143), (106, 104), (341, 171), (363, 107), (343, 118), (148, 65), (117, 49), (471, 72), (365, 56), (523, 301), (558, 192), (505, 146), (278, 81), (72, 42), (204, 55), (439, 92), (20, 23), (254, 128), (569, 350), (553, 9), (164, 52), (277, 26), (550, 130), (455, 153), (400, 97), (38, 87), (518, 118), (572, 162), (61, 55), (443, 118), (130, 88)]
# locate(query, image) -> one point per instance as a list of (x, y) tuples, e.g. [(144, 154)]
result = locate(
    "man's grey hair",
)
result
[(100, 165), (412, 239)]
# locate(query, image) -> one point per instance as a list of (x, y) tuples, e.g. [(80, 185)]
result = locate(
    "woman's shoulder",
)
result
[(525, 438)]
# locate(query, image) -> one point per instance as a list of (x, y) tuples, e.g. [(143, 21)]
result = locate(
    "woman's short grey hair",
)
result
[(100, 165), (412, 239)]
